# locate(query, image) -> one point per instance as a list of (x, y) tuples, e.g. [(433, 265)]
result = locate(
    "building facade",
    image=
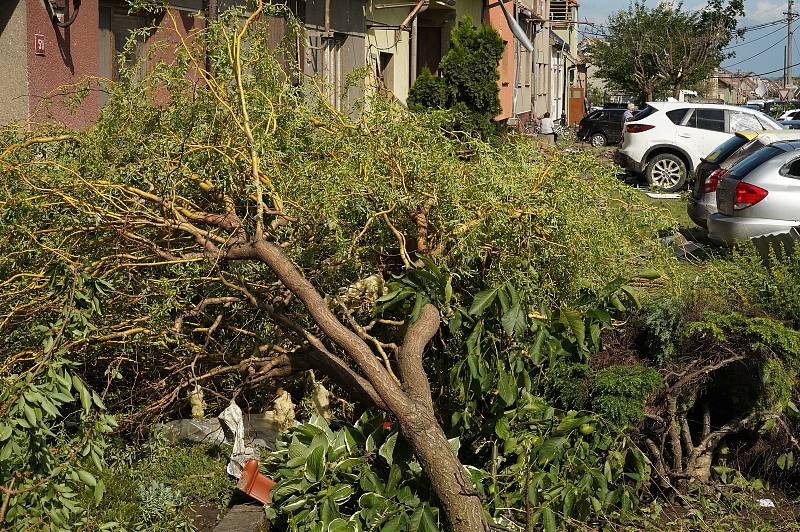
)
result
[(348, 45)]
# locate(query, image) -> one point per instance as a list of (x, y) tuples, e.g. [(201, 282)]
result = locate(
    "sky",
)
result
[(759, 51)]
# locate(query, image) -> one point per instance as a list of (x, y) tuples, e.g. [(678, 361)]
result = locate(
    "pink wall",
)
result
[(71, 54), (496, 19)]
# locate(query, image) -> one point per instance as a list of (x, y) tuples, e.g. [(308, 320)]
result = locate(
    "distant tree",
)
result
[(468, 77), (665, 49)]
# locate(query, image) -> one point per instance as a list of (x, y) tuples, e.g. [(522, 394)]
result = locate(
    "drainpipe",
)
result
[(421, 6), (327, 17)]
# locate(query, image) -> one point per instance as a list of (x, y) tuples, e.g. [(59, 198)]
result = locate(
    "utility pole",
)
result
[(787, 70)]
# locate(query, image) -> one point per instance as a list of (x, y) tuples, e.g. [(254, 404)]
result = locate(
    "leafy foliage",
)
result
[(158, 501), (619, 393), (52, 424), (351, 478), (467, 81), (659, 51)]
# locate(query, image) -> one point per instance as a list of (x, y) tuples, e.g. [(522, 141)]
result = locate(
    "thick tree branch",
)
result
[(409, 358)]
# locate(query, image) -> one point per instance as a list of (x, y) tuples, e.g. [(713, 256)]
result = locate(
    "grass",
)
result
[(197, 471)]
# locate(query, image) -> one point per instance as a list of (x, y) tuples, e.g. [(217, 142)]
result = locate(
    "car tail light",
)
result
[(748, 195), (638, 128), (713, 180)]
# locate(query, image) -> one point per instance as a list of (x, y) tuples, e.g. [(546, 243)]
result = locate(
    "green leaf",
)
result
[(87, 478), (514, 321), (428, 521), (5, 432), (30, 415), (569, 502), (501, 428), (549, 449), (507, 387), (548, 519), (387, 449), (418, 302), (574, 320), (786, 461), (99, 491), (482, 301), (315, 465), (448, 291)]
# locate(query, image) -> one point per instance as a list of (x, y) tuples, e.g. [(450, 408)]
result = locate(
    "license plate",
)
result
[(725, 196)]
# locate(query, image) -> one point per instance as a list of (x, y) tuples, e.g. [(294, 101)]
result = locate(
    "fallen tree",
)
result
[(224, 237)]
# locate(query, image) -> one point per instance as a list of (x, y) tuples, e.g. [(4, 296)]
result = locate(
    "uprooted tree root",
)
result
[(714, 401)]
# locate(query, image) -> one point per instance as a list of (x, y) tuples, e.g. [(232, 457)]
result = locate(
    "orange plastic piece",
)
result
[(254, 483)]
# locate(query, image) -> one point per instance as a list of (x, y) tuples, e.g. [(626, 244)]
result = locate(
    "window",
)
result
[(710, 119), (748, 164), (792, 169), (644, 113), (744, 122), (601, 115), (677, 115), (386, 70), (725, 149)]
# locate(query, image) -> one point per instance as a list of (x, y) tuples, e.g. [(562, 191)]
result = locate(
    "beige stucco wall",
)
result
[(389, 40), (13, 61)]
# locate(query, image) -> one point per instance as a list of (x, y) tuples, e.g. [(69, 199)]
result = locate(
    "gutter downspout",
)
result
[(419, 8)]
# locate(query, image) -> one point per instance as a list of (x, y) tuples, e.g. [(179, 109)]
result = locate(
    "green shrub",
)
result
[(619, 392), (467, 82), (661, 321), (428, 92), (158, 501)]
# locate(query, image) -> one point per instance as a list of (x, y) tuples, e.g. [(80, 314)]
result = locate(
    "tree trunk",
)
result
[(459, 501)]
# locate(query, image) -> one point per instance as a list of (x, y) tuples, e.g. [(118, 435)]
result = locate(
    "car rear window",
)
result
[(644, 113), (745, 151), (753, 161), (710, 119), (676, 115), (725, 149)]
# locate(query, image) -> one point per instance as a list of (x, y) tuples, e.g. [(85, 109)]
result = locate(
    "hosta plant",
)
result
[(348, 478)]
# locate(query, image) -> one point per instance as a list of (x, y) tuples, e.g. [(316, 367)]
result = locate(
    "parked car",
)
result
[(702, 201), (791, 114), (666, 140), (759, 196), (602, 128)]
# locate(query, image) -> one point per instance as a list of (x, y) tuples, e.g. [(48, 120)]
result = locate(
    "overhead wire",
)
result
[(765, 50)]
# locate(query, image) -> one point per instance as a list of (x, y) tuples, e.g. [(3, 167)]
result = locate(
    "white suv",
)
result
[(665, 141)]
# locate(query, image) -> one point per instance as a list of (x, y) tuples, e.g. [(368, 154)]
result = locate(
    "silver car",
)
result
[(702, 200), (759, 196)]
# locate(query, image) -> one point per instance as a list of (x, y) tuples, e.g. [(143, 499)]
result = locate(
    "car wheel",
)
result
[(598, 139), (667, 172)]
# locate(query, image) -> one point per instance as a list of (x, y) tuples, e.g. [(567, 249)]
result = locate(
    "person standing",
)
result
[(628, 115), (546, 129)]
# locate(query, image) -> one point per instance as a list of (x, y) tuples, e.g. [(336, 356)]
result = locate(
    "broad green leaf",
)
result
[(315, 465), (387, 449), (548, 519), (5, 432), (428, 521), (549, 449), (507, 388), (482, 301), (501, 428), (99, 491), (514, 321), (574, 320), (87, 478), (786, 461)]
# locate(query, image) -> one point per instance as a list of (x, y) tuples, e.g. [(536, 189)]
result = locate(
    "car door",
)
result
[(612, 126), (702, 130)]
